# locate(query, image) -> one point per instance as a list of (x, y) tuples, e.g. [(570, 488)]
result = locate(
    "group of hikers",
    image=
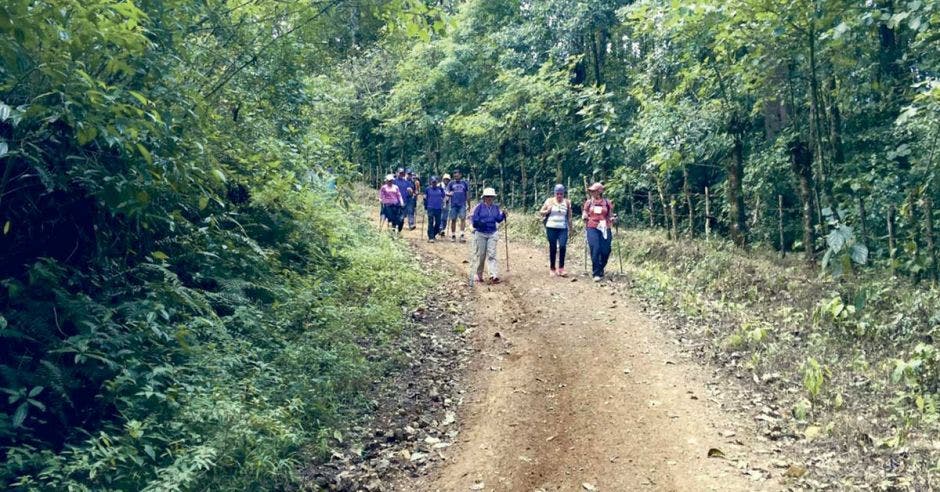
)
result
[(444, 199), (448, 198)]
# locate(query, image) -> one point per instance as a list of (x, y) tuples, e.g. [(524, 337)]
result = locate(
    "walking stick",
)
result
[(617, 239), (586, 246), (506, 229)]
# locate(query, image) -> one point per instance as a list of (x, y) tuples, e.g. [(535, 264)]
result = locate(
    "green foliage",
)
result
[(181, 286)]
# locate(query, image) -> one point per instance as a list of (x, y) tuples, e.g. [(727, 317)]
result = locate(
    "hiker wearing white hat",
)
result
[(484, 219), (445, 209), (392, 202)]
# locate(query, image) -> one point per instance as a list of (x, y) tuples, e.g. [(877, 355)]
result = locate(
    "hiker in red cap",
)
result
[(598, 215)]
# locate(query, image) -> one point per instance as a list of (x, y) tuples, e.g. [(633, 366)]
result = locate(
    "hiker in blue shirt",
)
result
[(406, 188), (484, 219), (433, 203), (457, 190)]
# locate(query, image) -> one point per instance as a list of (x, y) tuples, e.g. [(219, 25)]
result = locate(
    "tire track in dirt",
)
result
[(574, 385)]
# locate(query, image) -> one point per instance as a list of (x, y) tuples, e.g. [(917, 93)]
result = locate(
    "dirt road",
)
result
[(576, 389)]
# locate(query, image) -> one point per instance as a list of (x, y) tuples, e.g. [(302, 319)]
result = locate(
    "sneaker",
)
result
[(597, 279), (431, 240), (495, 280), (453, 238), (478, 278), (462, 239), (551, 273), (561, 272)]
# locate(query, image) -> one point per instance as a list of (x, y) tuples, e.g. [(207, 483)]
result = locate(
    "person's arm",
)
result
[(584, 210), (401, 201), (502, 216), (546, 207)]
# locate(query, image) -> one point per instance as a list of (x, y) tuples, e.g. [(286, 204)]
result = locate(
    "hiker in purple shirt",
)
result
[(457, 190), (484, 219), (433, 203)]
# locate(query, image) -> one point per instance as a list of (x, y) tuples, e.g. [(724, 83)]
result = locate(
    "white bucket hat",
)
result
[(489, 192), (389, 177)]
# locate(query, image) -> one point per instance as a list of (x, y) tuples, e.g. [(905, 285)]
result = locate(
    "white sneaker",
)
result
[(453, 238), (597, 279)]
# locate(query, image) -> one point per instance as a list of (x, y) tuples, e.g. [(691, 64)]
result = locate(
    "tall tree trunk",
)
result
[(816, 126), (733, 188), (801, 161)]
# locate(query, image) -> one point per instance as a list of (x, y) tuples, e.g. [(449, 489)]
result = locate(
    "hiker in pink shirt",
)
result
[(392, 202)]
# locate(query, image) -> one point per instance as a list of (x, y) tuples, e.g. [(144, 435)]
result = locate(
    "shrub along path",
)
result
[(575, 388)]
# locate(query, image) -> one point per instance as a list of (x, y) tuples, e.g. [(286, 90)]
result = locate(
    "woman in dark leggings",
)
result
[(556, 213)]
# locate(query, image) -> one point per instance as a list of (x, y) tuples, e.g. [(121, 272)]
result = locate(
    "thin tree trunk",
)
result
[(688, 199), (891, 241), (801, 161), (783, 249), (672, 214), (862, 219), (928, 234), (816, 129), (708, 216)]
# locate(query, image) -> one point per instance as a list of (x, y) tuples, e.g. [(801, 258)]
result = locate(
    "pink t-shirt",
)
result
[(389, 195), (597, 210)]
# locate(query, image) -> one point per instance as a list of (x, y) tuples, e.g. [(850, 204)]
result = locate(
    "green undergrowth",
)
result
[(832, 349), (218, 363)]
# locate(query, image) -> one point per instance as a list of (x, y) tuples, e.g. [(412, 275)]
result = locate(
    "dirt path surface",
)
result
[(575, 388)]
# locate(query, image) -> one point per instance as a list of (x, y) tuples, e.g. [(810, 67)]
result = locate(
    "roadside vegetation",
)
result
[(846, 365), (185, 295)]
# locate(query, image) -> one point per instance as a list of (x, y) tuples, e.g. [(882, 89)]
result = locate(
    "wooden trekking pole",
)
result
[(586, 245), (506, 230), (617, 240)]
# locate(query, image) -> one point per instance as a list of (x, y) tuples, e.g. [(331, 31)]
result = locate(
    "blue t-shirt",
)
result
[(403, 186), (458, 190), (434, 197)]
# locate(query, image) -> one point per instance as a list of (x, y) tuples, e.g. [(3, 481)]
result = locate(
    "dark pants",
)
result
[(392, 213), (600, 250), (557, 241), (434, 222), (410, 211), (442, 221)]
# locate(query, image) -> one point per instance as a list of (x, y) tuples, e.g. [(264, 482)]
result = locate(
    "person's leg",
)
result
[(463, 220), (552, 235), (605, 251), (430, 226), (491, 252), (562, 247), (399, 217), (479, 246), (410, 213), (453, 222), (594, 239)]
